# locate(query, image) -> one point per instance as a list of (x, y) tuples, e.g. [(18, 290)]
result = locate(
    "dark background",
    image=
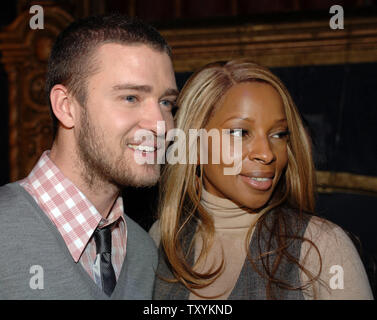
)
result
[(338, 102)]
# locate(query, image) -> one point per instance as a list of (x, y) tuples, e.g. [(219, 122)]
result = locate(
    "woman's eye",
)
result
[(238, 132), (280, 135)]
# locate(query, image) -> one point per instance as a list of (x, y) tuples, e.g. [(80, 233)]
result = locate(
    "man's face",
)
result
[(134, 88)]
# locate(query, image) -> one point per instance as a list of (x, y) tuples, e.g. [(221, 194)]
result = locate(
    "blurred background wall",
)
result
[(331, 74)]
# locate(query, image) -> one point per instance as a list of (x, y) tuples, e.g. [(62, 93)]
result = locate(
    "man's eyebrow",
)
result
[(170, 92), (143, 88), (130, 86)]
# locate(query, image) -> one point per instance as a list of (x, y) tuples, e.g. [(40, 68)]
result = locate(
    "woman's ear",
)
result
[(63, 106)]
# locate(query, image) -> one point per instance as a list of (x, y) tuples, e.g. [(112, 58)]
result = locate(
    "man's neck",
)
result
[(101, 194)]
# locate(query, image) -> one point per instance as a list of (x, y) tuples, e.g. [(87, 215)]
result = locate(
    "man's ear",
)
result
[(63, 106)]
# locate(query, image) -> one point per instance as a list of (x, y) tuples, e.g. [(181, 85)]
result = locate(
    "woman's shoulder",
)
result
[(335, 258), (311, 225), (321, 230), (155, 233), (324, 238), (315, 227)]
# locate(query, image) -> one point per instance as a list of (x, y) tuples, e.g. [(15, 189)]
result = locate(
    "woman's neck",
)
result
[(227, 215)]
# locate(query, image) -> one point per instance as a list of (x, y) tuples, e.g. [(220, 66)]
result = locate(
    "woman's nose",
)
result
[(260, 150)]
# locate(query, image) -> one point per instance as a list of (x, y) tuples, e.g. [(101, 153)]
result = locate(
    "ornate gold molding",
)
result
[(276, 45), (328, 182)]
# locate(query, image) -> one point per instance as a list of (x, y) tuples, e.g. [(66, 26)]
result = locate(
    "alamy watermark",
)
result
[(226, 140), (337, 280), (37, 20), (37, 279), (337, 20)]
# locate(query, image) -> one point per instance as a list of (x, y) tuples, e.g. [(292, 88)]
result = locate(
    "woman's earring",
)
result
[(198, 171), (198, 181)]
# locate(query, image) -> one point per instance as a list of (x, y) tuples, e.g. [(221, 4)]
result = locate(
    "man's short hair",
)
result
[(71, 59)]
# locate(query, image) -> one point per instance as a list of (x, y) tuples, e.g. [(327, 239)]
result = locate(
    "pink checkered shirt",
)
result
[(74, 215)]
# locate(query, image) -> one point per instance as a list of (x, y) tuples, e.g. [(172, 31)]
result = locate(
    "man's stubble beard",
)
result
[(101, 165)]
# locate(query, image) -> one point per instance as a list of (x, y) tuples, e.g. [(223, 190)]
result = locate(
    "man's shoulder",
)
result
[(16, 208), (137, 236), (10, 195)]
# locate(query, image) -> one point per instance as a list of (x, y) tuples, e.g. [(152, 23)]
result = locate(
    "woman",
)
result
[(250, 235)]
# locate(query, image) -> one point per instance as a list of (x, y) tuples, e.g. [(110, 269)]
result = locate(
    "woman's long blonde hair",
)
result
[(181, 184)]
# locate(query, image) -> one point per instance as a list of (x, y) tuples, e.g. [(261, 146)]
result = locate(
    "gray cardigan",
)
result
[(36, 264), (250, 285)]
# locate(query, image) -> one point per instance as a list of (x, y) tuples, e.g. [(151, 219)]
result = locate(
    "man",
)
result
[(64, 234)]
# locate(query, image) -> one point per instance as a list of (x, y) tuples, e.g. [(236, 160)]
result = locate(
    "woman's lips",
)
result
[(259, 183)]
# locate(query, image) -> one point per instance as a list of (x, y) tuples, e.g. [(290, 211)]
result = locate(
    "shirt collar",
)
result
[(73, 214)]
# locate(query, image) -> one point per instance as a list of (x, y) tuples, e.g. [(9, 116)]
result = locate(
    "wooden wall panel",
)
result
[(276, 44), (24, 56)]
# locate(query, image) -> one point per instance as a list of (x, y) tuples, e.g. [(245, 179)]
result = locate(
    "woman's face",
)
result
[(257, 109)]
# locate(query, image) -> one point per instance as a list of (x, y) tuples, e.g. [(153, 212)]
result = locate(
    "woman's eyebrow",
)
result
[(240, 118), (281, 120), (278, 121), (253, 120)]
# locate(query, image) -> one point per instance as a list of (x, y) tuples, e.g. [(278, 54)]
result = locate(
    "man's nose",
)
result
[(260, 150), (150, 117)]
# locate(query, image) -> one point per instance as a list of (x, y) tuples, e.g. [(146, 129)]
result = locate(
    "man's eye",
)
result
[(168, 104), (131, 99), (238, 132)]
